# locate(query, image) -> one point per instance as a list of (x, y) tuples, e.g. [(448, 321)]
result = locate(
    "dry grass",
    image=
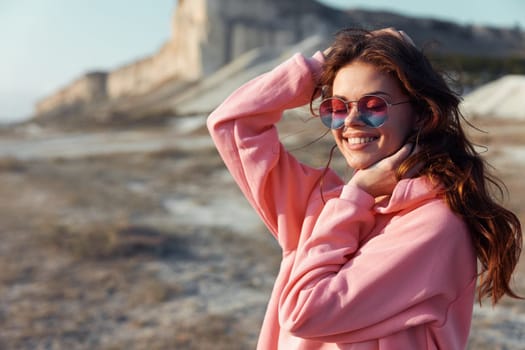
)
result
[(110, 241), (90, 258), (10, 164)]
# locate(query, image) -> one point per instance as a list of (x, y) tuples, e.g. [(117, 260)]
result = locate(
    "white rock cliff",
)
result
[(207, 35)]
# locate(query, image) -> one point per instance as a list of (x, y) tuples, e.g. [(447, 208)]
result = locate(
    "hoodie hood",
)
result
[(408, 193)]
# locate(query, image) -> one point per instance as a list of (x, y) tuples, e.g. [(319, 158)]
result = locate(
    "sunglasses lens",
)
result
[(373, 110), (372, 105), (333, 113)]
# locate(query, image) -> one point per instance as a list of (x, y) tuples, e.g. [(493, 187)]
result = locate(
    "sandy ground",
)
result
[(138, 239)]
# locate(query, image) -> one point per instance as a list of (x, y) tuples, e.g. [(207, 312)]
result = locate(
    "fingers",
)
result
[(389, 30), (398, 157), (380, 178), (406, 38), (397, 33)]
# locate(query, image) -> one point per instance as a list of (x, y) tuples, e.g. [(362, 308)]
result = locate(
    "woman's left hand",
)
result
[(380, 178)]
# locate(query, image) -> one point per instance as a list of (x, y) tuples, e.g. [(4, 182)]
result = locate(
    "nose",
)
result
[(352, 118)]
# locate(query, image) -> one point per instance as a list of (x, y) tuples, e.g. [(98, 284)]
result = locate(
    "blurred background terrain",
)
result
[(120, 226)]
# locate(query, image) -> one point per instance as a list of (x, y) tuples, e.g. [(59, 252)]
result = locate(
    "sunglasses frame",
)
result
[(349, 104)]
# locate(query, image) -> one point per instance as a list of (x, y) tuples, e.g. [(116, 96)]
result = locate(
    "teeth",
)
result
[(359, 140)]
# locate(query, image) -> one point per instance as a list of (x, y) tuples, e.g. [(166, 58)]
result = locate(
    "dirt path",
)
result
[(103, 143)]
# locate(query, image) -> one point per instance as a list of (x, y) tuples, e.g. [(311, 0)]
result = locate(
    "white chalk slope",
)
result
[(501, 98)]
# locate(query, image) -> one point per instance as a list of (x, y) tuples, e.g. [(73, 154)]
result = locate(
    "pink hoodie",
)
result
[(355, 274)]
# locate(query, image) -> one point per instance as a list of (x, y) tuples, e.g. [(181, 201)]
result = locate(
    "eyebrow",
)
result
[(367, 94)]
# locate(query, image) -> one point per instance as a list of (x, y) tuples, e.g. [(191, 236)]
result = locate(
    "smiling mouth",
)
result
[(361, 140)]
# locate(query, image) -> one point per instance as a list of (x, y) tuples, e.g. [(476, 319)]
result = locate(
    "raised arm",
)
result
[(243, 129)]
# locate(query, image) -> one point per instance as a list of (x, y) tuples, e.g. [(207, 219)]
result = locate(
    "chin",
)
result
[(359, 165), (358, 160)]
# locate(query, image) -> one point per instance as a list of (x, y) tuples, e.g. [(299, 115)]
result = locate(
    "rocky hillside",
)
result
[(209, 35)]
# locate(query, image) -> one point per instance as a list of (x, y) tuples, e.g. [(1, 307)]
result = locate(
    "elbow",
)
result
[(219, 124), (311, 314), (297, 319), (211, 123), (306, 328), (290, 316), (292, 326)]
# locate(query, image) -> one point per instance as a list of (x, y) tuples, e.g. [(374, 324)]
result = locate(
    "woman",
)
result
[(386, 259)]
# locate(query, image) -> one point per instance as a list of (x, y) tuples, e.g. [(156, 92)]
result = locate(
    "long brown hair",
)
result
[(448, 157)]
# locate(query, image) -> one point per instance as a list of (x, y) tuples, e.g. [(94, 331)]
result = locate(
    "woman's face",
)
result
[(360, 144)]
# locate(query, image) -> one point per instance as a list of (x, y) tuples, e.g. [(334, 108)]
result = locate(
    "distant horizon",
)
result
[(47, 46), (504, 14)]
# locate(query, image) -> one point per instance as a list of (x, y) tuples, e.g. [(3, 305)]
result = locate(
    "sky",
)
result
[(46, 44)]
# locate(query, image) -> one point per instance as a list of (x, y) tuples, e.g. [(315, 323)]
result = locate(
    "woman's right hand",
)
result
[(327, 51), (397, 33)]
